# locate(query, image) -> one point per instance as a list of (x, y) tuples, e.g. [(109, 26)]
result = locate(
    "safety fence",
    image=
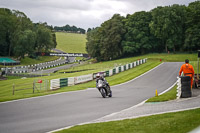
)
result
[(58, 83), (25, 75), (30, 88)]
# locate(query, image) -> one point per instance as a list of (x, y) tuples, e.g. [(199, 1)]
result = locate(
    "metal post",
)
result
[(33, 87), (13, 89), (198, 65), (40, 86), (41, 72), (198, 69)]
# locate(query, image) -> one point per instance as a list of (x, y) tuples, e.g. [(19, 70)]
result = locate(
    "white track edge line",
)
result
[(171, 111), (90, 122)]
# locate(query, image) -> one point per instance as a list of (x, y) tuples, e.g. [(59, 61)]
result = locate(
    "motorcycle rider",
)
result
[(100, 76)]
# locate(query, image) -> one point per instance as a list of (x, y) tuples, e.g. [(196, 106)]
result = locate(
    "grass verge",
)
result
[(169, 95), (179, 122), (71, 42)]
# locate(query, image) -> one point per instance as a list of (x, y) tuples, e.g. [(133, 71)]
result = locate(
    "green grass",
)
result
[(174, 57), (6, 85), (169, 95), (41, 59), (71, 42), (179, 122), (195, 66)]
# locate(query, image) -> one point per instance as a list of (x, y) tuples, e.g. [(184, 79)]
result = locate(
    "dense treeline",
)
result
[(69, 28), (20, 37), (173, 28)]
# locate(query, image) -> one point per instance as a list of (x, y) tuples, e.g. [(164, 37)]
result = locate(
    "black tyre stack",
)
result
[(185, 87)]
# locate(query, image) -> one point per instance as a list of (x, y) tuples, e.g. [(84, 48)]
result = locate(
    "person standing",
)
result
[(187, 70)]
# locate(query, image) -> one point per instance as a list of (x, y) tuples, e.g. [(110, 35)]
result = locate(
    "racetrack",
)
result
[(51, 112)]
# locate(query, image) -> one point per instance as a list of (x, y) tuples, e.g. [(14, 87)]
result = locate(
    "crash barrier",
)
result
[(58, 83), (185, 87), (35, 67), (35, 87)]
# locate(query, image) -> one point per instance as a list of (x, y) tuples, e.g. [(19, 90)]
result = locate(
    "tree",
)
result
[(44, 39), (22, 23), (138, 39), (88, 30), (69, 28), (19, 36), (25, 43), (168, 25), (93, 44), (112, 32), (192, 34), (104, 43), (7, 22)]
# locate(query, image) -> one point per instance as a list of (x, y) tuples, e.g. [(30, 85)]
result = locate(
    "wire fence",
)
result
[(36, 86)]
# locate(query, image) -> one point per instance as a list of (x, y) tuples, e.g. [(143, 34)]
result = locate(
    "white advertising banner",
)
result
[(83, 78)]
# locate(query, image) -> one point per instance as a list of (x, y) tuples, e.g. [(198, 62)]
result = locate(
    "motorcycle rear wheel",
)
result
[(110, 95)]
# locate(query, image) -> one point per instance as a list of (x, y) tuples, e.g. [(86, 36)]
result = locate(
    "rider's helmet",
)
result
[(98, 75)]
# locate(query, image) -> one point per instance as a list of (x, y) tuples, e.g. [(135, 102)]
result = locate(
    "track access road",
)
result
[(56, 111)]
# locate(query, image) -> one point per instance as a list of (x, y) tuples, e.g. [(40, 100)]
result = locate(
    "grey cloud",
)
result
[(82, 13)]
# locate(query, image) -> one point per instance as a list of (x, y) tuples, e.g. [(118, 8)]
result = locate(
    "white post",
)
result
[(178, 95)]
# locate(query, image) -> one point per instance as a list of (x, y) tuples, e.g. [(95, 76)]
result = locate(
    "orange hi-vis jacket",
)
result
[(187, 69)]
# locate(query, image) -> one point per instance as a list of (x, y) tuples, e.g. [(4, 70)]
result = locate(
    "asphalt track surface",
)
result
[(56, 111)]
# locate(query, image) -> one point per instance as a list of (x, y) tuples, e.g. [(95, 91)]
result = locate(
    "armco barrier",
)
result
[(58, 83)]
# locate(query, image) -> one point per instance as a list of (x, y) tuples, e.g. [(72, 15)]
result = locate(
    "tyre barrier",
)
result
[(185, 87)]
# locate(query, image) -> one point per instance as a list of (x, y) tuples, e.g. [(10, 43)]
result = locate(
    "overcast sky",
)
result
[(82, 13)]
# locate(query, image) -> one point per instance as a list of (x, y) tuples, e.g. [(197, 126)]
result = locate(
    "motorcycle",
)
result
[(104, 89)]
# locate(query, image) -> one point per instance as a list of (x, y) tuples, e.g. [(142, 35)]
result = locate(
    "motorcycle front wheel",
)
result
[(103, 92)]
